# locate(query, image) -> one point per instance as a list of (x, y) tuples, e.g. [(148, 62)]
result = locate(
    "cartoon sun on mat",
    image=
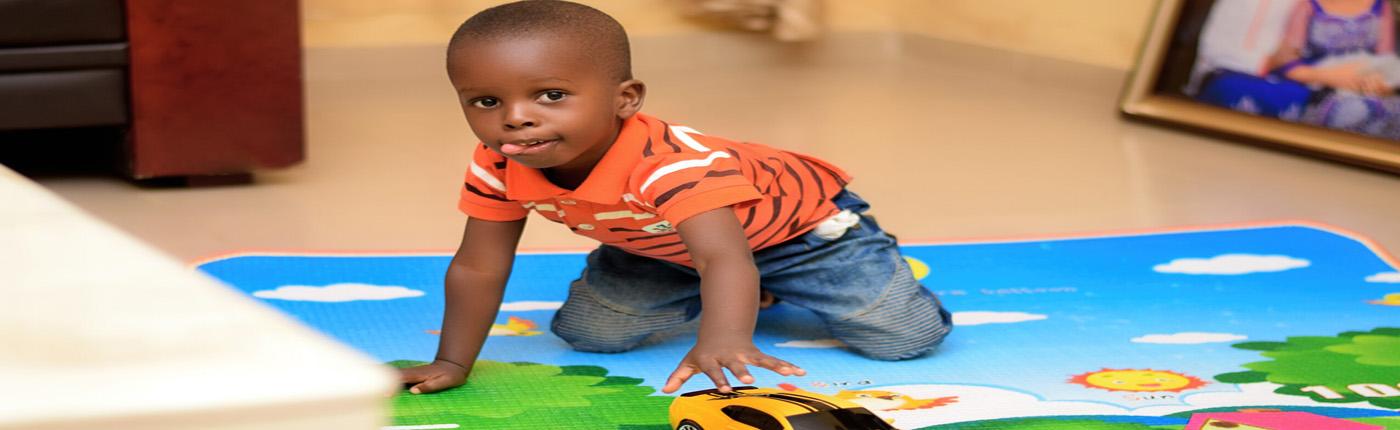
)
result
[(917, 266), (1392, 299), (513, 327), (891, 401), (1137, 380), (884, 400)]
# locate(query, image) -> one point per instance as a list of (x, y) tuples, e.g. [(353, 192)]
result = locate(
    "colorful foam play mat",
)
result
[(1275, 326)]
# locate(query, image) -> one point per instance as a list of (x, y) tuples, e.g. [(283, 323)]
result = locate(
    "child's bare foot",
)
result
[(766, 300)]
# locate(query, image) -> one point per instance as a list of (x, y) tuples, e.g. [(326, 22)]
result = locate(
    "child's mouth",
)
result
[(527, 147)]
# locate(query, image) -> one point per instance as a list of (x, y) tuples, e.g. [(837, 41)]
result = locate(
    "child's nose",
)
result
[(519, 117)]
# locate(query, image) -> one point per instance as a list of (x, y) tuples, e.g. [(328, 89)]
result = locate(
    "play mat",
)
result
[(1269, 326)]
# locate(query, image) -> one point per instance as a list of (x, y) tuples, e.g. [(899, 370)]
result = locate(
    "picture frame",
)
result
[(1164, 87)]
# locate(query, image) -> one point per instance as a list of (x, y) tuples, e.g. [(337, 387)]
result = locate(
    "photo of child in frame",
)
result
[(1325, 63)]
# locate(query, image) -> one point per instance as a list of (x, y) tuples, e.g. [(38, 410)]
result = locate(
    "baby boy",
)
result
[(690, 225)]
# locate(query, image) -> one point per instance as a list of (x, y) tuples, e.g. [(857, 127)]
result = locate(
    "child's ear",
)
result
[(630, 95)]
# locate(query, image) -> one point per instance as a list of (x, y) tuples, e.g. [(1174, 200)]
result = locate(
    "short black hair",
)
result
[(601, 35)]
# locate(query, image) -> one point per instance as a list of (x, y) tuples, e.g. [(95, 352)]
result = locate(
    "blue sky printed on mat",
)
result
[(1038, 312)]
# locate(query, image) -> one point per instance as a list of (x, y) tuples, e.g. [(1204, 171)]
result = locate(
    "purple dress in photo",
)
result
[(1330, 36)]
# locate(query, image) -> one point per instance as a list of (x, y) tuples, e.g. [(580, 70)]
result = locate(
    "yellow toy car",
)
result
[(749, 408)]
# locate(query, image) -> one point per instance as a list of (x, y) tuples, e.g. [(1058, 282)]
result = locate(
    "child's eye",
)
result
[(551, 96), (486, 102)]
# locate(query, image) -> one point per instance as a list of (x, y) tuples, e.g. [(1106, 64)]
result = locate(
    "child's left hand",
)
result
[(713, 359)]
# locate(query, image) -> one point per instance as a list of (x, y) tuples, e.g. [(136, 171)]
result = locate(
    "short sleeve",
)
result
[(1385, 45), (1295, 35), (483, 193), (682, 185)]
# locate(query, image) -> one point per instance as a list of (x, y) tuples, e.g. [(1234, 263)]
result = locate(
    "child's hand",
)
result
[(1373, 84), (1349, 76), (433, 377), (713, 359)]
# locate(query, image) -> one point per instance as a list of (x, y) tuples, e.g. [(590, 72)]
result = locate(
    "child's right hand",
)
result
[(433, 377), (712, 359)]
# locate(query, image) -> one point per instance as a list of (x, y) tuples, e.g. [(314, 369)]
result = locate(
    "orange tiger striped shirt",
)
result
[(655, 176)]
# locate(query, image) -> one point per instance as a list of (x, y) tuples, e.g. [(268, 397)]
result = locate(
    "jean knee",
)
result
[(591, 329), (894, 339), (589, 325), (586, 339), (907, 323)]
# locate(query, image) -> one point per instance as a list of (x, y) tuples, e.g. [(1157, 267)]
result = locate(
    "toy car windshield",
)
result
[(839, 419)]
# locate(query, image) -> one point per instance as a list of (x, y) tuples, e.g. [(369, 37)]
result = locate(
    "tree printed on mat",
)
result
[(1347, 368), (534, 396)]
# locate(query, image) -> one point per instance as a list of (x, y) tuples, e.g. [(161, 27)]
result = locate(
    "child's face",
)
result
[(541, 101)]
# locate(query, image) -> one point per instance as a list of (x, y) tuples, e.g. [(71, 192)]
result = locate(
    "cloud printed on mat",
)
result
[(1190, 337), (530, 306), (986, 317), (985, 403), (335, 293), (818, 343), (1385, 278), (1232, 264)]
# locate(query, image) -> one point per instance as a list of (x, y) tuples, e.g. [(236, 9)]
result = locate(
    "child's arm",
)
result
[(475, 283), (729, 296), (1352, 76)]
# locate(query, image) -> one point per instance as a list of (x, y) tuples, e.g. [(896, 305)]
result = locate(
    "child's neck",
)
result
[(570, 178), (1346, 7), (565, 179)]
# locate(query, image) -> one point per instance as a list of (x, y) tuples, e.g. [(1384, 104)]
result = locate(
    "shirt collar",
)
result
[(605, 184)]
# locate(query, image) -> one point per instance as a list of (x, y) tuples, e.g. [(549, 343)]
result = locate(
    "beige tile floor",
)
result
[(947, 141)]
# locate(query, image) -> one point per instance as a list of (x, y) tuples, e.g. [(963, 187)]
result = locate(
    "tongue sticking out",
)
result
[(513, 149), (517, 149)]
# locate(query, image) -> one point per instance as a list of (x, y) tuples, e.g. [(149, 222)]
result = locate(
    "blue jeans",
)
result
[(859, 284)]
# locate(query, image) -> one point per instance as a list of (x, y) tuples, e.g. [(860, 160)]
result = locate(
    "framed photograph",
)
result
[(1315, 76)]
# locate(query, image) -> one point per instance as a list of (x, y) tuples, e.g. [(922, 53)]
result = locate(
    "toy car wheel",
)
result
[(688, 425)]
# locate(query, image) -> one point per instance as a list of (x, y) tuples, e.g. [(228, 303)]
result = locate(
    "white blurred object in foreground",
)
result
[(100, 331)]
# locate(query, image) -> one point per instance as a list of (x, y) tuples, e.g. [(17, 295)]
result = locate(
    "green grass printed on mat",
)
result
[(1332, 361), (531, 396), (1048, 424), (1082, 423), (1389, 423)]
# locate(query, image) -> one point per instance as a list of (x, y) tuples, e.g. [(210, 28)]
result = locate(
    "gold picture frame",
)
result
[(1142, 98)]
